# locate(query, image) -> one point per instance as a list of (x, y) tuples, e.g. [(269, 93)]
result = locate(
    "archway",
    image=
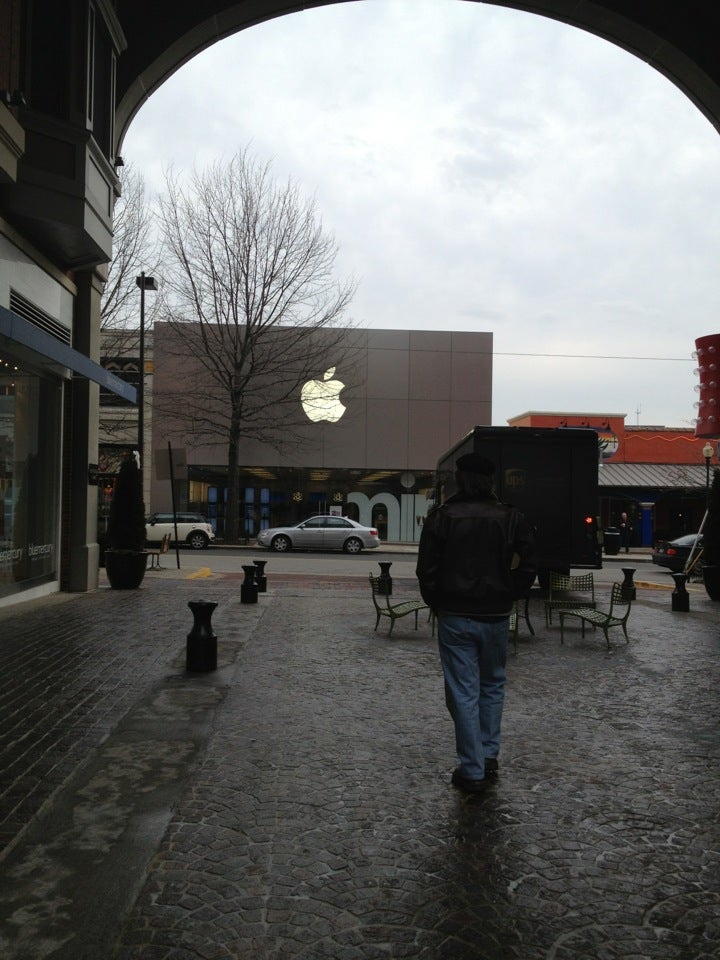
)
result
[(523, 17), (62, 206), (675, 42)]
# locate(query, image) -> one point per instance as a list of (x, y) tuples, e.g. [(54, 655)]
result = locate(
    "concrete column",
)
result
[(82, 553)]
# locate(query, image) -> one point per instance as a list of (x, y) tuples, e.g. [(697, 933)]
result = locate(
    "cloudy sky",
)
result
[(481, 169)]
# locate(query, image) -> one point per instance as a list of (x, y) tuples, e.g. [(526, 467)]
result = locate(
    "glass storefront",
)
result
[(30, 418), (394, 501)]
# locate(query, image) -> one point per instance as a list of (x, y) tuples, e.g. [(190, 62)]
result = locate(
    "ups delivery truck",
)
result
[(551, 475)]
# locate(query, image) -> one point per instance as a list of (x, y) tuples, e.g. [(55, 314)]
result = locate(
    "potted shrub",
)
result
[(125, 555), (711, 540)]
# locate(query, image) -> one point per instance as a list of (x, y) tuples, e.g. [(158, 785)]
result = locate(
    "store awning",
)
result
[(657, 476), (35, 346)]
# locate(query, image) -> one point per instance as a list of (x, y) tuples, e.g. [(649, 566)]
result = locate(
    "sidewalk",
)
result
[(296, 804)]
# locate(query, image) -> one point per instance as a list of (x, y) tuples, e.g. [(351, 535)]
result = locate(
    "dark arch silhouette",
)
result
[(677, 39)]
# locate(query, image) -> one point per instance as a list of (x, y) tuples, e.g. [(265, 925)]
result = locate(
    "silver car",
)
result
[(321, 533)]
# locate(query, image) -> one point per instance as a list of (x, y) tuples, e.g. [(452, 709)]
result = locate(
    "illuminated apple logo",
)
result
[(321, 398)]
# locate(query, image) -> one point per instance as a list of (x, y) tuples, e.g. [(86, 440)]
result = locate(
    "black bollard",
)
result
[(248, 588), (680, 598), (385, 584), (201, 651), (628, 585), (260, 578)]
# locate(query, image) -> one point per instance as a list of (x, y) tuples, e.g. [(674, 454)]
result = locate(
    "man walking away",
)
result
[(476, 555)]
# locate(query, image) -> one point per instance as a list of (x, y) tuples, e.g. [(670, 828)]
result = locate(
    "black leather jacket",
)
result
[(468, 548)]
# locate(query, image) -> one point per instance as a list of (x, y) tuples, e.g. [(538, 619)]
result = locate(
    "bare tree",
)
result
[(135, 249), (249, 290)]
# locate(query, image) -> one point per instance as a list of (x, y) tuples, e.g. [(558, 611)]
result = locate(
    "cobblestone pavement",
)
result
[(296, 804)]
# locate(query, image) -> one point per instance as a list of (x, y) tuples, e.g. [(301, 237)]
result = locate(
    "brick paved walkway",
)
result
[(295, 804)]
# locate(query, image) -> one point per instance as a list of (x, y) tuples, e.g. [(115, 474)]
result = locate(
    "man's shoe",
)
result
[(491, 767), (463, 783)]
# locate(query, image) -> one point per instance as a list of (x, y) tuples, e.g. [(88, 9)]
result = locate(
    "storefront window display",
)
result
[(30, 410), (394, 501)]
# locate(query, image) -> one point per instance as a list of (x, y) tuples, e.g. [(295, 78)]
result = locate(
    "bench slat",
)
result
[(393, 610)]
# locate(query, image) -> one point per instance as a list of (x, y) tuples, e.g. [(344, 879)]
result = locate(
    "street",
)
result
[(224, 560)]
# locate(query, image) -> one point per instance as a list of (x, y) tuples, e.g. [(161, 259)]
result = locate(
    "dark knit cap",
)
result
[(475, 463)]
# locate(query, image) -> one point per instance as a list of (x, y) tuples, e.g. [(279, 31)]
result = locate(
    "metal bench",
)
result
[(563, 590), (156, 554), (616, 616), (383, 607)]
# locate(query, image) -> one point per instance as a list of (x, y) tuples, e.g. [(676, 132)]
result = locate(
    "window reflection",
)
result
[(29, 479)]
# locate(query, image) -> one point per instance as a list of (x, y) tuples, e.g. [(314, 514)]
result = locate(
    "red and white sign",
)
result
[(707, 349)]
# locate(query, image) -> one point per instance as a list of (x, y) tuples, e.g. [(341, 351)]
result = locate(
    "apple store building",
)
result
[(358, 435)]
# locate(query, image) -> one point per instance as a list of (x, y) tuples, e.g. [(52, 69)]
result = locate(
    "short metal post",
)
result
[(248, 588), (201, 651), (385, 580), (260, 578), (628, 585), (680, 598)]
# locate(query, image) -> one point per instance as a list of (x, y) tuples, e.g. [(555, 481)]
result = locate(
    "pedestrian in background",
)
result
[(475, 557), (625, 532)]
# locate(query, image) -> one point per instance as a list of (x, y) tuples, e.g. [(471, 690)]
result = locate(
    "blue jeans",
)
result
[(473, 656)]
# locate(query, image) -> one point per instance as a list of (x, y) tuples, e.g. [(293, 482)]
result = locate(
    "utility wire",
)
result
[(589, 356)]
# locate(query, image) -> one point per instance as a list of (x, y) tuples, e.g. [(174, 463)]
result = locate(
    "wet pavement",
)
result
[(296, 802)]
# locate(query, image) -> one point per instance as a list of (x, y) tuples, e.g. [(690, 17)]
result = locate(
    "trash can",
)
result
[(611, 541)]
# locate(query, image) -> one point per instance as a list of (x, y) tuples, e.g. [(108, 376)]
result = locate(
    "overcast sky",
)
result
[(481, 169)]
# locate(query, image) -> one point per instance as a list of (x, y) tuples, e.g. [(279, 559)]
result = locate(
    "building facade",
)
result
[(370, 454), (48, 443), (57, 191), (418, 393)]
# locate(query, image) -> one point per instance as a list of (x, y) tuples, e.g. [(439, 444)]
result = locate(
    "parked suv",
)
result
[(192, 529)]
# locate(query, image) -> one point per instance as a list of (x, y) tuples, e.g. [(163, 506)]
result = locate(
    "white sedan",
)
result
[(321, 533)]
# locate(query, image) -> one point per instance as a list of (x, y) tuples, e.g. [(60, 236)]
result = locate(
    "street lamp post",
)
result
[(145, 283)]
